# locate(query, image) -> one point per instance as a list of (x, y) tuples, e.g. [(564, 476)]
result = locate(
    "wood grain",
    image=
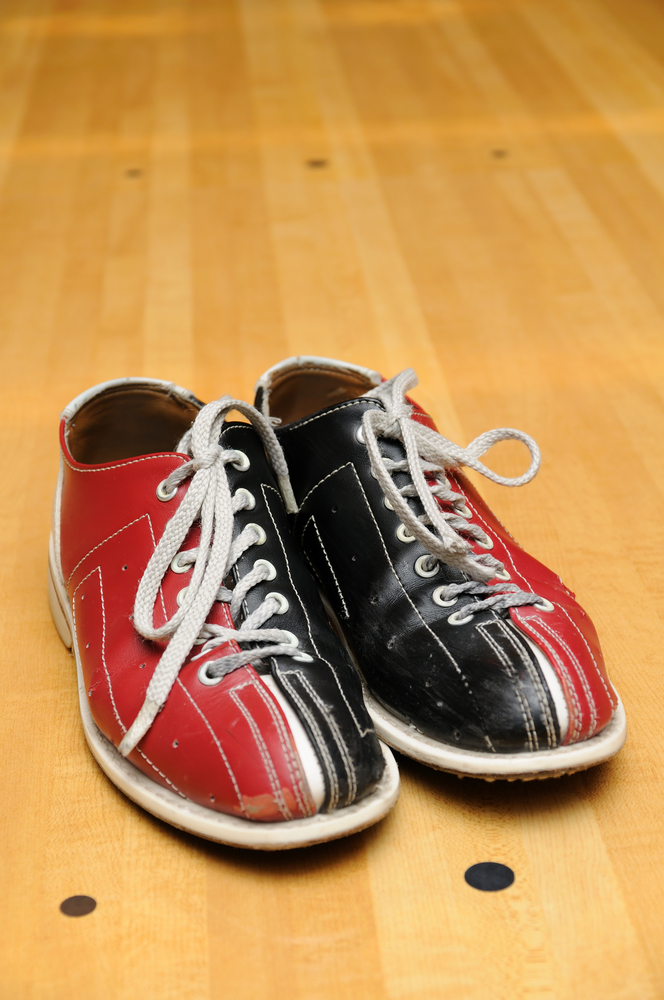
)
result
[(490, 211)]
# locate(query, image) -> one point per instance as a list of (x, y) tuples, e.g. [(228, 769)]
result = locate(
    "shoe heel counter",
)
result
[(57, 598)]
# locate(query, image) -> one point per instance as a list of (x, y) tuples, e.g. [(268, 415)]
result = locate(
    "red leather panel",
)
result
[(566, 635), (227, 746)]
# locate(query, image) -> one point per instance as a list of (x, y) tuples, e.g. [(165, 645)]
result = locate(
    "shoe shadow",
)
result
[(517, 798), (473, 798)]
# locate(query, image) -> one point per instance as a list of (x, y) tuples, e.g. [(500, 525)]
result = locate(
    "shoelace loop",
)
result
[(429, 453), (209, 500)]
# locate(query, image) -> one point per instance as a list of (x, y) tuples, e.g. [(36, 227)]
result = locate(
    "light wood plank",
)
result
[(491, 212)]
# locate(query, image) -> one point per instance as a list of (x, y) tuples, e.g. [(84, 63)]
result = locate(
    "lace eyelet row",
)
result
[(241, 464), (426, 566)]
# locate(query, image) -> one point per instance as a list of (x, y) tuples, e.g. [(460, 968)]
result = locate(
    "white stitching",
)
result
[(312, 520), (327, 413), (346, 465), (121, 465), (107, 539), (293, 762), (108, 678), (97, 570), (585, 641), (315, 728), (219, 746), (513, 636), (361, 731), (406, 594), (580, 674), (336, 733), (575, 706), (259, 740), (578, 668), (531, 733)]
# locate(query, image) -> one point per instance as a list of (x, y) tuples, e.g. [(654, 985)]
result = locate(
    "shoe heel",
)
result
[(57, 601)]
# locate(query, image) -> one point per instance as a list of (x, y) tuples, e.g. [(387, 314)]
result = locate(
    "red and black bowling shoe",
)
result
[(212, 689), (476, 657)]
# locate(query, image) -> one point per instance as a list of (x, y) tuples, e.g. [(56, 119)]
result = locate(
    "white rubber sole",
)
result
[(186, 815), (491, 766), (510, 766)]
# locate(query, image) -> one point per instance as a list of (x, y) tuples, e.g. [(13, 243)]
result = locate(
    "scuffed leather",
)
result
[(327, 692), (229, 746), (475, 686)]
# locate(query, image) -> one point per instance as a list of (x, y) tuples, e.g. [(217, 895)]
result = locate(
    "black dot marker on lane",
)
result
[(78, 906), (489, 876), (317, 163)]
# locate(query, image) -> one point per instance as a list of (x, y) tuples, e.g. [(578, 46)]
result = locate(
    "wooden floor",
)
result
[(195, 189)]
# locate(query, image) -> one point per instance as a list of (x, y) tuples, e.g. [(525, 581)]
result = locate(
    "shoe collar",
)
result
[(84, 397), (359, 380)]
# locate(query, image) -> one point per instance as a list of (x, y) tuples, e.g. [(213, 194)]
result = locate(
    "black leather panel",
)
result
[(477, 685), (326, 693)]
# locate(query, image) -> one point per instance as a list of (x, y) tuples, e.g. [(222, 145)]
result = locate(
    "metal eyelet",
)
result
[(262, 537), (421, 570), (180, 596), (502, 574), (242, 463), (403, 536), (468, 514), (387, 503), (177, 566), (205, 678), (544, 605), (281, 601), (163, 494), (437, 598), (455, 620), (271, 571), (251, 499), (359, 435), (488, 544), (293, 640)]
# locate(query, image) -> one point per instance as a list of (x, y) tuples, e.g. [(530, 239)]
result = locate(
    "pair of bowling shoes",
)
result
[(252, 603)]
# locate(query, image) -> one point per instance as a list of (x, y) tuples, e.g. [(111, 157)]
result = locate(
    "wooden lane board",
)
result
[(195, 190)]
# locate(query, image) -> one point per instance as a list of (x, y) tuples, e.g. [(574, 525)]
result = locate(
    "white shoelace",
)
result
[(428, 452), (208, 499)]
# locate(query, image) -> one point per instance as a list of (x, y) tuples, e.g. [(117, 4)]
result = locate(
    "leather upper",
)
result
[(476, 685), (227, 746)]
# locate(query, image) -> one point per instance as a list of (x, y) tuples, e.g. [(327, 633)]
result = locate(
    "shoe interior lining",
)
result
[(300, 391), (127, 421)]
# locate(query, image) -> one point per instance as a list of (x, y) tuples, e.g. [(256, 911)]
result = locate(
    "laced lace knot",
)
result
[(429, 455), (209, 500)]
